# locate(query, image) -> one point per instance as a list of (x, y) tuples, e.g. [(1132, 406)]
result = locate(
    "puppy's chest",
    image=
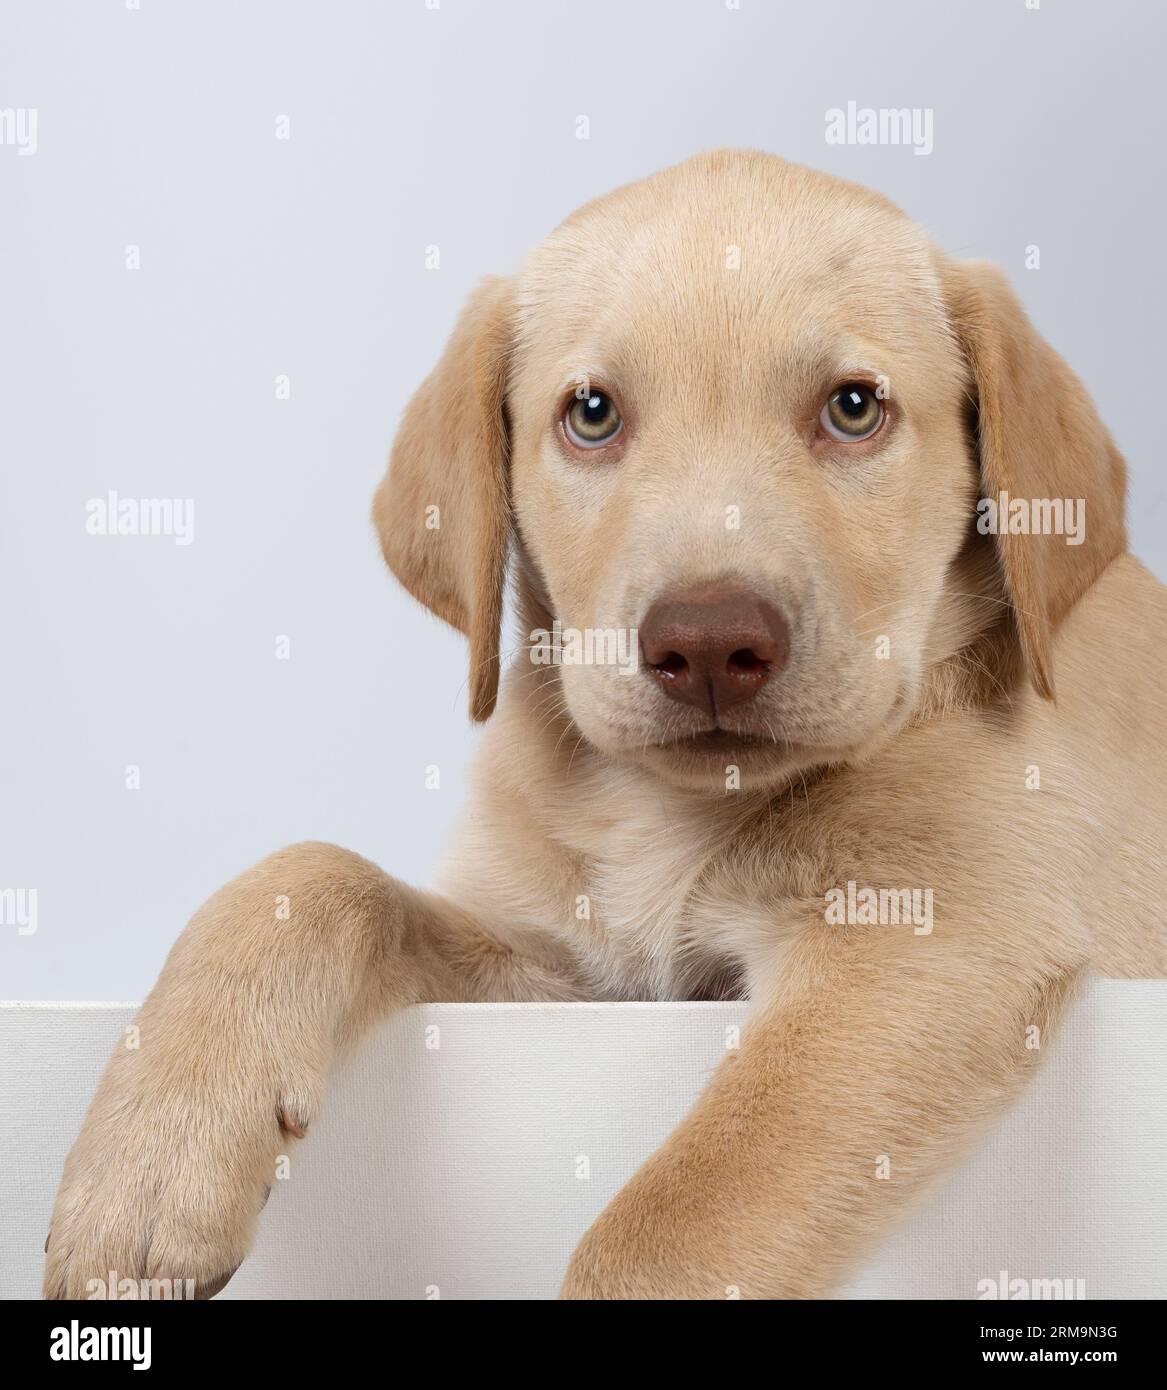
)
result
[(663, 920)]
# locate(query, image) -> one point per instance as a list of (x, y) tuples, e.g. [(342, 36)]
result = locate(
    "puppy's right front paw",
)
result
[(168, 1176)]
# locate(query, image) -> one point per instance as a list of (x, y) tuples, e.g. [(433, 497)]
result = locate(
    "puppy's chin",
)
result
[(723, 763)]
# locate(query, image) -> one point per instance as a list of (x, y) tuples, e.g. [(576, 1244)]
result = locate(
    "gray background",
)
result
[(409, 127)]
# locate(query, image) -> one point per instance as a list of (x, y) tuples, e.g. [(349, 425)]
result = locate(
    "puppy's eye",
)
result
[(592, 421), (853, 412)]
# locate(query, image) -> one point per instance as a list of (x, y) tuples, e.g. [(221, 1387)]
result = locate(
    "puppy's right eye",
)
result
[(853, 413), (592, 421)]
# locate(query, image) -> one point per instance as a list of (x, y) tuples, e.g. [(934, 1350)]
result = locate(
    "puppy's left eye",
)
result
[(853, 412), (592, 421)]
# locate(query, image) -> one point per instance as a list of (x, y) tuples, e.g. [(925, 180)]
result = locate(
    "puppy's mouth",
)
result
[(718, 740)]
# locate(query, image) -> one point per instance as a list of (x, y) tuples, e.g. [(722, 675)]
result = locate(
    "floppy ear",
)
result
[(1038, 437), (442, 511)]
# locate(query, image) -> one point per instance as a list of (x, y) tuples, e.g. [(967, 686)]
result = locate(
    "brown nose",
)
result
[(716, 648)]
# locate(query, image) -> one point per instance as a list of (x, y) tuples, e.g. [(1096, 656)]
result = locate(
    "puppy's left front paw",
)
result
[(620, 1260)]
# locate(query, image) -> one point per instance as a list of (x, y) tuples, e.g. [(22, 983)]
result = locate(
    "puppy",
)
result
[(749, 426)]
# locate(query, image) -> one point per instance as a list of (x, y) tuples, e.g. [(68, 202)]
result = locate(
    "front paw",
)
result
[(173, 1164), (623, 1256), (614, 1269), (661, 1237)]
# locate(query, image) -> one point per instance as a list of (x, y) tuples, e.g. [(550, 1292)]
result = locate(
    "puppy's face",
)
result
[(739, 436), (733, 421)]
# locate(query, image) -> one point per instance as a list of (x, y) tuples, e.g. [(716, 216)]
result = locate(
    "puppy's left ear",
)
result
[(443, 511), (1039, 437)]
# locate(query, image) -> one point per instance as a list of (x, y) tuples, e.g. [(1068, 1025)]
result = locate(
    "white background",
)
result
[(409, 127)]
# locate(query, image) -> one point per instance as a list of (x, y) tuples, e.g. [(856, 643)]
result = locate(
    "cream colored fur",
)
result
[(1007, 657)]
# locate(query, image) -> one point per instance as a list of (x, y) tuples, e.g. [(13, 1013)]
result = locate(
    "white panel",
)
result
[(455, 1166)]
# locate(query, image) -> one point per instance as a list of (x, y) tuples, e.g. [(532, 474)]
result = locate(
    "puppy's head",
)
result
[(734, 422)]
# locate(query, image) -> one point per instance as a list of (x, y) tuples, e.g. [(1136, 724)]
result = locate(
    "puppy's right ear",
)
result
[(442, 511)]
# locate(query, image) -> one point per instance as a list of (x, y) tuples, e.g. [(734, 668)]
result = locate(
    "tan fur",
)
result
[(457, 567), (1040, 436), (865, 1040)]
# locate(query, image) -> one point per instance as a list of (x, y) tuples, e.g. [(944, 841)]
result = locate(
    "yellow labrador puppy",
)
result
[(890, 762)]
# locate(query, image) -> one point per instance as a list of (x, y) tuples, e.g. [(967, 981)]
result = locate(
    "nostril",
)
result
[(746, 662), (674, 664)]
